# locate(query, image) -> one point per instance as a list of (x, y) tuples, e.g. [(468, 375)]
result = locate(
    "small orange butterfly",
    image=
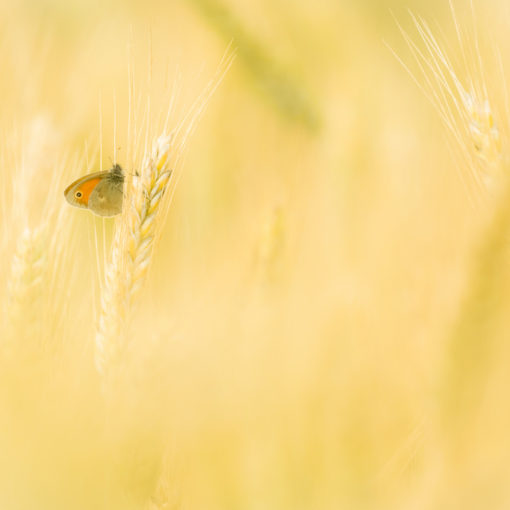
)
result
[(100, 192)]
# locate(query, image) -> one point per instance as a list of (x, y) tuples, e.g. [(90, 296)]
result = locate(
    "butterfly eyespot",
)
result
[(78, 194)]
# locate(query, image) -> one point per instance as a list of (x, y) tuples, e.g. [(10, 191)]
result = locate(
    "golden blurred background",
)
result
[(323, 325)]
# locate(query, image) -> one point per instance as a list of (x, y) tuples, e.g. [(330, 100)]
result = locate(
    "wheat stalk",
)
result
[(26, 283), (132, 249), (467, 108), (270, 247), (35, 255), (168, 491), (148, 195)]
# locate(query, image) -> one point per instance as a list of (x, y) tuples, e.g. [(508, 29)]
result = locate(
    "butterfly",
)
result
[(100, 192)]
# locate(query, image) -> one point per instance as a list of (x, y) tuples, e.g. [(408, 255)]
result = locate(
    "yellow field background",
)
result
[(325, 322)]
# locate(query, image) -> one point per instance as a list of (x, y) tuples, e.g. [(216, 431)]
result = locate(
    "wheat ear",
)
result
[(26, 284), (465, 106), (132, 249), (147, 199)]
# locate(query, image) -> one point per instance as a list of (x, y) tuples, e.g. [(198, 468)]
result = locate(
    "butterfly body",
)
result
[(100, 192)]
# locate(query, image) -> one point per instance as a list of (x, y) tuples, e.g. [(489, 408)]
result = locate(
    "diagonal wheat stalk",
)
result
[(472, 114)]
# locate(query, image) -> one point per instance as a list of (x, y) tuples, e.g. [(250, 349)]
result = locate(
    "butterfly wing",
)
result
[(79, 192), (106, 197)]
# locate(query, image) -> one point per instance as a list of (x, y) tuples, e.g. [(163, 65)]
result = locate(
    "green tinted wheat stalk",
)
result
[(476, 336), (287, 94)]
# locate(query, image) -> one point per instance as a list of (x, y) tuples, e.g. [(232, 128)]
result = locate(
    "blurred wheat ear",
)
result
[(26, 285), (31, 244), (473, 110), (147, 200)]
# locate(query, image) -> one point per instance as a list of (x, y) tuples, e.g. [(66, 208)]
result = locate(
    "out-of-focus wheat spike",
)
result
[(26, 284), (474, 340), (165, 498), (464, 105), (270, 247), (32, 275), (167, 495)]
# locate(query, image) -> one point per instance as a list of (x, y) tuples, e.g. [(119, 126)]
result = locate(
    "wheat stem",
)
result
[(148, 195)]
